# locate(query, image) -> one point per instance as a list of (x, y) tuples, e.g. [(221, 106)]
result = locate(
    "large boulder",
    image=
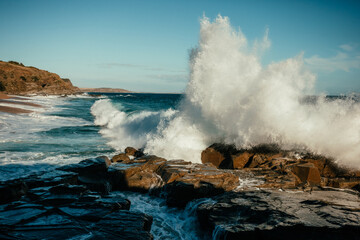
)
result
[(220, 155), (307, 174), (137, 174), (130, 151)]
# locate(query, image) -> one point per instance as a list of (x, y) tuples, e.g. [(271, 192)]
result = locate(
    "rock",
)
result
[(50, 178), (137, 175), (200, 181), (74, 223), (125, 225), (173, 169), (17, 79), (68, 189), (130, 151), (89, 166), (98, 183), (342, 182), (282, 215), (92, 173), (240, 160), (144, 181), (72, 212), (307, 173), (122, 157), (12, 190), (219, 155)]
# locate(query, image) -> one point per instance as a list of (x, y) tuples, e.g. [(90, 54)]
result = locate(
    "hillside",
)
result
[(105, 90), (15, 78)]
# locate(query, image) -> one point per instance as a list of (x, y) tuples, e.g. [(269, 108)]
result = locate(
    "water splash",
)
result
[(232, 98)]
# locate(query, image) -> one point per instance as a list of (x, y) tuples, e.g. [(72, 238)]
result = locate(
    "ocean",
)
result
[(64, 131)]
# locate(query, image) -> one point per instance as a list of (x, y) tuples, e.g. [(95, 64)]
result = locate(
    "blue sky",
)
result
[(143, 45)]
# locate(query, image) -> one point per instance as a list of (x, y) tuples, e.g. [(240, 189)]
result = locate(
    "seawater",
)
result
[(64, 131)]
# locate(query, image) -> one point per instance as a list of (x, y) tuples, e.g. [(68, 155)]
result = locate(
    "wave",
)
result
[(232, 98), (128, 130)]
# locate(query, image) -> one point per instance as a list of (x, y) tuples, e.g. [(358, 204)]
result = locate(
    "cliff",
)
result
[(15, 78)]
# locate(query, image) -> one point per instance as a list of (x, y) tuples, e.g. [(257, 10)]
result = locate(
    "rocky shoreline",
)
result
[(259, 193)]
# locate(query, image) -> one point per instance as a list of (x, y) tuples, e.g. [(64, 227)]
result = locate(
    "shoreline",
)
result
[(6, 99)]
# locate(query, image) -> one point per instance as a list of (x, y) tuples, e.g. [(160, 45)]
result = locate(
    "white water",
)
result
[(24, 150), (231, 97), (168, 222)]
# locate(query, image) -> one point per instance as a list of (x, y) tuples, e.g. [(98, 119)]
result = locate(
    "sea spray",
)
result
[(232, 98)]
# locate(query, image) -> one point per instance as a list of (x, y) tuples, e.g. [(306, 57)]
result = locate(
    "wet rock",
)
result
[(125, 225), (98, 183), (122, 157), (130, 151), (137, 175), (50, 178), (173, 169), (274, 180), (219, 155), (12, 191), (71, 212), (68, 189), (200, 181), (282, 169), (89, 166), (307, 173), (240, 160), (93, 173), (282, 215), (17, 214), (351, 183)]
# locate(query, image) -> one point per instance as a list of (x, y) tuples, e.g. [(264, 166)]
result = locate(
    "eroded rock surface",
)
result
[(269, 214), (282, 169)]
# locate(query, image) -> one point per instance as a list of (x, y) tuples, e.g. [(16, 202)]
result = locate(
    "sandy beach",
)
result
[(4, 98)]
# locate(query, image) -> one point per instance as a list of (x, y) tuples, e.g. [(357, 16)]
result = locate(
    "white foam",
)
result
[(231, 97)]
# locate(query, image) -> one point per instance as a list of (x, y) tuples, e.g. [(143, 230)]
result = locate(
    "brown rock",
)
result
[(15, 78), (350, 183), (210, 155), (130, 151), (307, 173), (173, 169), (240, 160), (122, 157), (198, 182), (137, 175), (144, 181), (220, 155)]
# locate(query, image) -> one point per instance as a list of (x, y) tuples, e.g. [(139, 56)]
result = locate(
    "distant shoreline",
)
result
[(118, 90), (105, 90)]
